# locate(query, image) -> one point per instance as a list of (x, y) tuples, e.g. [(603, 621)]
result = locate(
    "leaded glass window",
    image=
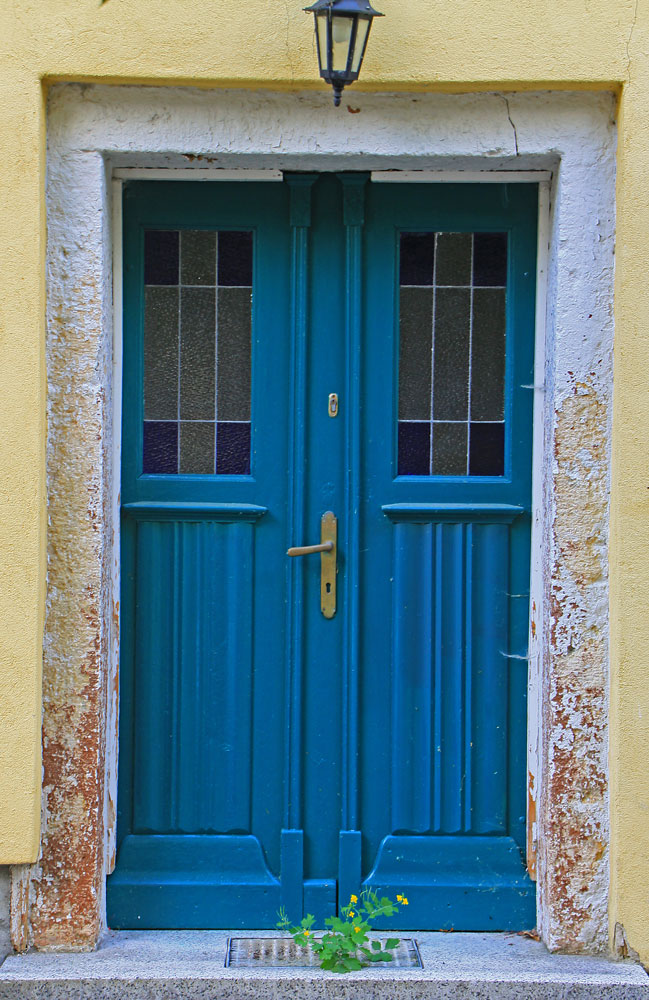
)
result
[(452, 354), (197, 351)]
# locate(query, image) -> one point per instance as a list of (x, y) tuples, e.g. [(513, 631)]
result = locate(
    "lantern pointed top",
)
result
[(344, 7)]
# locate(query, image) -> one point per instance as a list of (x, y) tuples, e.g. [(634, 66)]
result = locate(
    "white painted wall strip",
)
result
[(110, 800), (460, 176), (539, 464), (195, 174)]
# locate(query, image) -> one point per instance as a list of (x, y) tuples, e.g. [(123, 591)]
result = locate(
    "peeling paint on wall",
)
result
[(576, 698), (67, 883)]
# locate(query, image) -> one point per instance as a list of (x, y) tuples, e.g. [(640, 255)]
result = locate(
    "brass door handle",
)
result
[(328, 567), (306, 550)]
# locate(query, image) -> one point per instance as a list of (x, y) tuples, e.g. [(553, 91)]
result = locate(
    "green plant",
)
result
[(347, 946)]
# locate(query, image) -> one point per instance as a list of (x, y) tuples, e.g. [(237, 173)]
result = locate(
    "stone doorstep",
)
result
[(170, 965)]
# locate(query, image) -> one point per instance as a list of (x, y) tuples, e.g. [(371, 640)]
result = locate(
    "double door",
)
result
[(325, 360)]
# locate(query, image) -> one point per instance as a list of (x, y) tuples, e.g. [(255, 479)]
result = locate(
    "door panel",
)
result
[(268, 755), (444, 623), (203, 729)]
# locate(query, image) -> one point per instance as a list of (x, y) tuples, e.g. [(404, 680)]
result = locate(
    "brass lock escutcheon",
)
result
[(328, 569)]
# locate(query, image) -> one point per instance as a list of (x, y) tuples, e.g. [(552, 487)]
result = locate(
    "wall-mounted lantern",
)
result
[(342, 28)]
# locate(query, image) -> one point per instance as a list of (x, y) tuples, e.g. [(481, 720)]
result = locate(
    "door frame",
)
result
[(174, 202), (557, 130), (543, 178)]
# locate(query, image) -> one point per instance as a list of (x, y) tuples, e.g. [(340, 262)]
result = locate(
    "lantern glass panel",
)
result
[(341, 33), (361, 38), (321, 29)]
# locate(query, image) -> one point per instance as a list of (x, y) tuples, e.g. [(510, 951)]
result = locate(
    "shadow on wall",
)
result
[(5, 897)]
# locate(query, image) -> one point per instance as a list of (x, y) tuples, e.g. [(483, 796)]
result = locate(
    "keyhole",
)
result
[(328, 585)]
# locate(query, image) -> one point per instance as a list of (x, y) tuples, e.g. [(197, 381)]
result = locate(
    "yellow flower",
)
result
[(351, 913), (399, 898), (356, 930), (306, 933), (353, 899), (404, 901)]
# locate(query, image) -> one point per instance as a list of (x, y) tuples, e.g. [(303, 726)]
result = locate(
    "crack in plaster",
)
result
[(628, 41), (289, 47), (511, 121)]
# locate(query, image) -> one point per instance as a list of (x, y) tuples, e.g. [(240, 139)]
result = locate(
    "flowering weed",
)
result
[(347, 947)]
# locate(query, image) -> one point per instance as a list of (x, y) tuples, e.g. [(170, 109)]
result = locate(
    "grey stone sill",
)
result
[(156, 965)]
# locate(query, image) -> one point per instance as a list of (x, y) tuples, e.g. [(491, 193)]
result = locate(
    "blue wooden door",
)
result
[(324, 344)]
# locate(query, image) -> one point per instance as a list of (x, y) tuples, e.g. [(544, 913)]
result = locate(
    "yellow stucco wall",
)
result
[(425, 44)]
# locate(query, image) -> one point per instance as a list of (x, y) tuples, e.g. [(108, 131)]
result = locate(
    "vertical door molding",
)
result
[(292, 863), (349, 864)]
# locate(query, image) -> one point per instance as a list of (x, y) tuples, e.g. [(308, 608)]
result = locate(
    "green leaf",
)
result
[(352, 964), (376, 945), (328, 963), (392, 943), (386, 956)]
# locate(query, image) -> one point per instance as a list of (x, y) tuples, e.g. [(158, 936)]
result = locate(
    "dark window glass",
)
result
[(160, 257), (487, 449), (160, 447), (490, 259), (233, 449), (414, 448), (235, 258), (416, 257)]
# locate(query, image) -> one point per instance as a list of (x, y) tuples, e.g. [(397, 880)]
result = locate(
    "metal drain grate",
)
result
[(281, 953)]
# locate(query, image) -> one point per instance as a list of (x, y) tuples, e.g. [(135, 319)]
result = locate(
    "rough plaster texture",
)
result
[(630, 515), (22, 461), (187, 964), (58, 903), (419, 43)]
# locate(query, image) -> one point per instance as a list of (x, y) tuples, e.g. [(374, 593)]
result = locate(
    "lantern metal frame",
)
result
[(356, 11)]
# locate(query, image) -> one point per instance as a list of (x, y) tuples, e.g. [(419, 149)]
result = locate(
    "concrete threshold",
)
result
[(170, 965)]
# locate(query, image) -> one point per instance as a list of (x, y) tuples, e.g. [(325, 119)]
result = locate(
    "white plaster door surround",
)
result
[(94, 133)]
